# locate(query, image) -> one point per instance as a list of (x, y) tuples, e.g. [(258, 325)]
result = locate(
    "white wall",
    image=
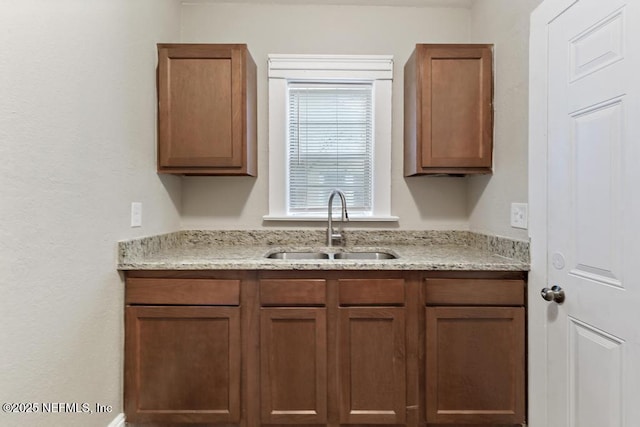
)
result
[(77, 132), (230, 203), (506, 24)]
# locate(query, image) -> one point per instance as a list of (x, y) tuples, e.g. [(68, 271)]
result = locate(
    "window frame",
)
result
[(375, 69)]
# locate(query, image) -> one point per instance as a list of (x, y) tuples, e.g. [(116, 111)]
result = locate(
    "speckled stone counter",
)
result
[(248, 250)]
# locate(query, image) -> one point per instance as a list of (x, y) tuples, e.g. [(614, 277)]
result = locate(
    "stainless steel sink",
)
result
[(312, 255), (364, 255), (298, 255)]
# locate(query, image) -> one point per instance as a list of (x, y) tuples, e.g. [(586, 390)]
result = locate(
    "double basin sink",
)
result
[(319, 255)]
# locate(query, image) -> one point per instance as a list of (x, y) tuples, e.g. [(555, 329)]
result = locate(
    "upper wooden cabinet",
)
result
[(206, 109), (448, 118)]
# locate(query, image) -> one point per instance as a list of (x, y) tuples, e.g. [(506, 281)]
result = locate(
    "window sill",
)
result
[(352, 218)]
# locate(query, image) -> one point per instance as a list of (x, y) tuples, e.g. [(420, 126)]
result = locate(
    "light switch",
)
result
[(519, 215), (136, 214)]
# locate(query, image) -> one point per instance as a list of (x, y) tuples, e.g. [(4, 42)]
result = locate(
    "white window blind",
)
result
[(330, 145)]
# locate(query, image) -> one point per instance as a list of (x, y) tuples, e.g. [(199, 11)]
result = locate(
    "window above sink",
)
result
[(329, 127)]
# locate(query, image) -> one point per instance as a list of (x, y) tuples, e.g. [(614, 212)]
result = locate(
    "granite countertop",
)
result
[(247, 250)]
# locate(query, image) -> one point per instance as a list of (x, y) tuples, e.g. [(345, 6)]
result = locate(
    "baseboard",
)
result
[(118, 421)]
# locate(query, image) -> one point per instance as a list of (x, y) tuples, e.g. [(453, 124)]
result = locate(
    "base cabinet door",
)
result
[(182, 364), (372, 365), (475, 365), (293, 365)]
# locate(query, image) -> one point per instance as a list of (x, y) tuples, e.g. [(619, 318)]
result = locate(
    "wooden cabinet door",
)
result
[(182, 364), (372, 365), (448, 110), (475, 359), (206, 106), (293, 365)]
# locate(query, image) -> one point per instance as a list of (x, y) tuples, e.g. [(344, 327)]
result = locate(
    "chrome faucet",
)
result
[(331, 234)]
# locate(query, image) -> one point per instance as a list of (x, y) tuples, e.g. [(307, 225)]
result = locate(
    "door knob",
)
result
[(554, 294)]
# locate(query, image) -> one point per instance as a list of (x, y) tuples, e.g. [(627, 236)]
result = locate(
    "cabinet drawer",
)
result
[(274, 292), (182, 291), (371, 291), (474, 292)]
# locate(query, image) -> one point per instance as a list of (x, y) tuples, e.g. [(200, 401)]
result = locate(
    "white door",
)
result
[(592, 211)]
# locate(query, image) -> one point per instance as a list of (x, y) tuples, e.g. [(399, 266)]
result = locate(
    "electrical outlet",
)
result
[(519, 215), (136, 214)]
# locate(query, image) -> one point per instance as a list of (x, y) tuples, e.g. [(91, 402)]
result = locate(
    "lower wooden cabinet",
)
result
[(183, 342), (348, 371), (475, 351), (372, 365), (475, 365), (293, 365), (371, 347), (325, 348), (182, 364)]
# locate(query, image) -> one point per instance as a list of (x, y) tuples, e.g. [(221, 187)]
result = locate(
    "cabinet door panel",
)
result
[(448, 109), (197, 108), (372, 365), (457, 118), (182, 364), (201, 131), (475, 365), (206, 109), (293, 365)]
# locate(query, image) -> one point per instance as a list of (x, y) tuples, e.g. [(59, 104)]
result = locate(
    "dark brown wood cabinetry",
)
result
[(293, 365), (206, 109), (371, 339), (316, 371), (325, 348), (182, 362), (475, 351), (293, 351), (448, 115)]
